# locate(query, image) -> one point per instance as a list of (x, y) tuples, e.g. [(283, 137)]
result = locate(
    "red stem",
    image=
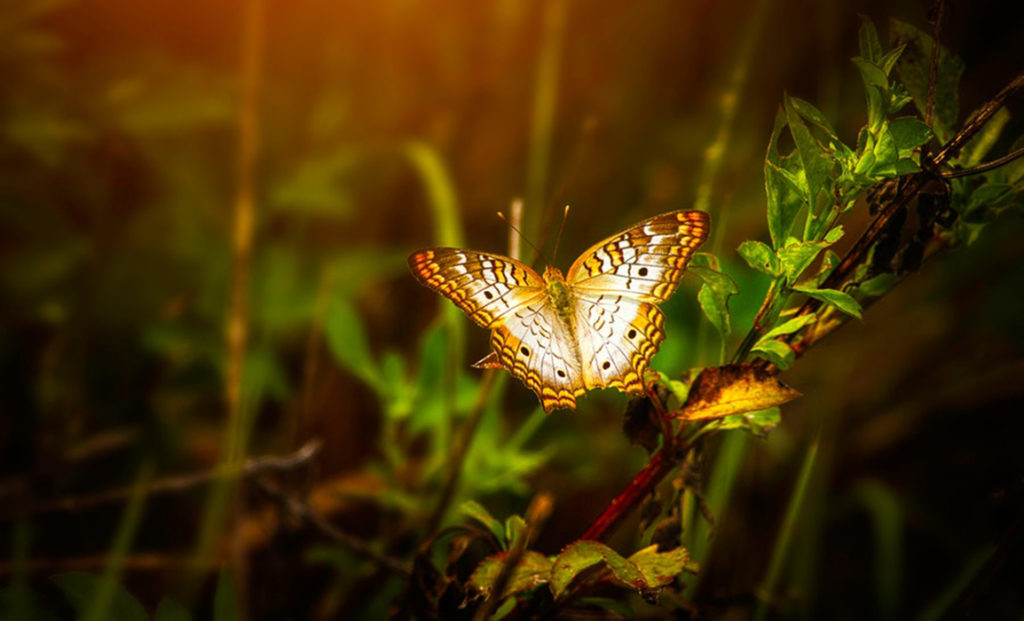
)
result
[(638, 489)]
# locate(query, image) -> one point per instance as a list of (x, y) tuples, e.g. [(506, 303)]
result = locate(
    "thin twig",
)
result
[(983, 168), (251, 467), (304, 512), (933, 69)]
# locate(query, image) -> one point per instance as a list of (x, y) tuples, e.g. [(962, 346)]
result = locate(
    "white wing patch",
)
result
[(537, 348), (618, 336)]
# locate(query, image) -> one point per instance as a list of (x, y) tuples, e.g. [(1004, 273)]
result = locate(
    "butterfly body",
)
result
[(597, 326)]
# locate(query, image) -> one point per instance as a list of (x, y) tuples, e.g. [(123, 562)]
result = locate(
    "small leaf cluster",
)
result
[(645, 571)]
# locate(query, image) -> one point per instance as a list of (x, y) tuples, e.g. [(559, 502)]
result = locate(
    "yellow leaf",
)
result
[(733, 389)]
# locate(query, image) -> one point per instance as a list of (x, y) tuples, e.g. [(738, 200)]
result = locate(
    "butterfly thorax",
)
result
[(560, 295)]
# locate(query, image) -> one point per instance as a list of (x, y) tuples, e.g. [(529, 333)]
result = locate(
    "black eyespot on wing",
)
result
[(642, 271), (606, 365), (560, 373), (525, 350), (632, 333), (488, 295)]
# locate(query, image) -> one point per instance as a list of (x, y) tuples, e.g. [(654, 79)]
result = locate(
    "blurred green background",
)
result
[(130, 133)]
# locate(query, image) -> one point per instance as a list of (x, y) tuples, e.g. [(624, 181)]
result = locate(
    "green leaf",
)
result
[(582, 555), (913, 68), (906, 166), (834, 234), (661, 568), (885, 154), (872, 75), (909, 132), (876, 286), (797, 257), (346, 340), (81, 588), (788, 327), (814, 116), (476, 511), (760, 257), (534, 569), (838, 299), (870, 47), (887, 62), (225, 608), (784, 194), (716, 308), (777, 352), (515, 529), (714, 294), (759, 422), (817, 163), (171, 610)]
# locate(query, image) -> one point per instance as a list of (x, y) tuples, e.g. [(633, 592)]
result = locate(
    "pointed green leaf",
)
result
[(817, 164), (870, 47), (346, 340), (476, 511), (888, 61), (838, 299), (813, 116), (788, 327), (777, 352), (785, 196)]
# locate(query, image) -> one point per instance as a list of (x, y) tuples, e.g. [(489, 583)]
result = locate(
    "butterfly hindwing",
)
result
[(645, 262), (487, 287), (617, 337), (616, 284), (537, 348)]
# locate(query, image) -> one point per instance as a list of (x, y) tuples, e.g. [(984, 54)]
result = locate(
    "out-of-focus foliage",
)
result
[(383, 127)]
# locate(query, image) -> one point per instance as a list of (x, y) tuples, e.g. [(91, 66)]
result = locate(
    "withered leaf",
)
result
[(733, 389)]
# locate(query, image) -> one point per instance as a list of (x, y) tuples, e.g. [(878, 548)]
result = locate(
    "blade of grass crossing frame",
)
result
[(542, 121), (785, 535), (99, 608)]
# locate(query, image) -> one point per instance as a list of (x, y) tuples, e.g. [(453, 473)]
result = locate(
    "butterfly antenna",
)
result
[(558, 240), (518, 231)]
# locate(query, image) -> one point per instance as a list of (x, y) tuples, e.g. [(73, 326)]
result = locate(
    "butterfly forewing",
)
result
[(487, 287), (617, 283), (645, 262)]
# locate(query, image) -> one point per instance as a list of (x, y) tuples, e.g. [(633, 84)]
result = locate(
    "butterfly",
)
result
[(596, 327)]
